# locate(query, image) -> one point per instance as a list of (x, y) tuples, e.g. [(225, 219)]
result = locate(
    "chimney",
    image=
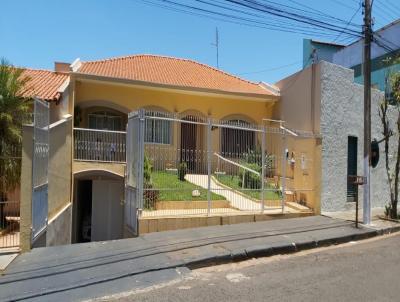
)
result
[(62, 67)]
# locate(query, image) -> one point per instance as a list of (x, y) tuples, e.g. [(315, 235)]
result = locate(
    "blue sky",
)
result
[(37, 33)]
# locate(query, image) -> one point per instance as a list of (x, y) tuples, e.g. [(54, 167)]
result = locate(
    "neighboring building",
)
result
[(317, 51), (325, 100), (195, 107), (384, 49)]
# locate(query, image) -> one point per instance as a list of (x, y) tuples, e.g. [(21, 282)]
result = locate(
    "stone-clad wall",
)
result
[(342, 116)]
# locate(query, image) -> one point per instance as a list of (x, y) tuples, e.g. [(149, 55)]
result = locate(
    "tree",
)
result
[(392, 99), (14, 111)]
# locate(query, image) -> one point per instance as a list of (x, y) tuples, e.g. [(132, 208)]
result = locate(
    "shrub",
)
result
[(251, 180), (182, 170), (147, 169), (255, 157), (150, 197), (388, 209)]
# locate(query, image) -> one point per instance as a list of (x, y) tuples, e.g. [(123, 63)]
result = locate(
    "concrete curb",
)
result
[(226, 247), (388, 230), (268, 250)]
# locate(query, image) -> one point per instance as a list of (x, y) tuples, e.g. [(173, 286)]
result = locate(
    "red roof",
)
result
[(171, 71), (44, 84)]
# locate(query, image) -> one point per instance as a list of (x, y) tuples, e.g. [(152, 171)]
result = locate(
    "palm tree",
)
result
[(14, 111)]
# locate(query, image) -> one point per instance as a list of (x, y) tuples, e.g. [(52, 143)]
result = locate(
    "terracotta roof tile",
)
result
[(171, 71), (44, 84)]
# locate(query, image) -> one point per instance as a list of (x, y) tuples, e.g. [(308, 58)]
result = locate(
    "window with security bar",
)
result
[(105, 121), (157, 131), (237, 141)]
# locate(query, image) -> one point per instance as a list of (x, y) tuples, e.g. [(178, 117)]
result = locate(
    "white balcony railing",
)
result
[(99, 145)]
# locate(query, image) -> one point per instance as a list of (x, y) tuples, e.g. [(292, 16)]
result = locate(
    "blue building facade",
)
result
[(385, 52), (316, 51)]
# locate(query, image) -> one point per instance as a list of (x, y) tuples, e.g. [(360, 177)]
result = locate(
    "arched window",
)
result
[(105, 120), (157, 129), (237, 141)]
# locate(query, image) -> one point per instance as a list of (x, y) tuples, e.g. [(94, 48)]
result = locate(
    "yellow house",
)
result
[(198, 119)]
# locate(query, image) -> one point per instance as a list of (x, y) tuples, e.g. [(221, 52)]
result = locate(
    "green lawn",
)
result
[(232, 181), (172, 189)]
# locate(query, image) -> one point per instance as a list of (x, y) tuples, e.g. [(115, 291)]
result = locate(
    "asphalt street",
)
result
[(357, 271)]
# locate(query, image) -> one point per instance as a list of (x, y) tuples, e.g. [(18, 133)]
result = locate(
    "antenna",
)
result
[(216, 44)]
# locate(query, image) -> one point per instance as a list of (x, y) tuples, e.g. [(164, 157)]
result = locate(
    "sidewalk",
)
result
[(7, 255), (84, 271), (376, 222)]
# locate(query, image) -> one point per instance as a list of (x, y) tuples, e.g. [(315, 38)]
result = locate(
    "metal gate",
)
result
[(40, 164), (134, 169), (10, 156), (182, 164)]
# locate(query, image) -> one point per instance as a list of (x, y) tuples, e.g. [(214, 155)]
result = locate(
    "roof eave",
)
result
[(254, 96)]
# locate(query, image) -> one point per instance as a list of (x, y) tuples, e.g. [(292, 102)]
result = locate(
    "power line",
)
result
[(380, 13), (248, 5), (228, 17), (351, 19), (320, 12), (346, 40), (271, 69), (219, 5), (384, 8), (292, 16), (384, 43), (393, 5), (295, 77), (309, 13), (343, 4), (276, 18)]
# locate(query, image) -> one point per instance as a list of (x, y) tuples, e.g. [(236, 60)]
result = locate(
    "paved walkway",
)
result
[(83, 271), (7, 255), (237, 201), (376, 214)]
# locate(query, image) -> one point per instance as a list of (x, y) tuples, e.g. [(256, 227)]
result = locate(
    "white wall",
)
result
[(341, 116)]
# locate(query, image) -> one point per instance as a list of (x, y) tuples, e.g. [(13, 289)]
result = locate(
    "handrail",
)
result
[(236, 164), (288, 131), (99, 145), (99, 130)]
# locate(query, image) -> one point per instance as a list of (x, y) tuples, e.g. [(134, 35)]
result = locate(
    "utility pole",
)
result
[(216, 44), (367, 112)]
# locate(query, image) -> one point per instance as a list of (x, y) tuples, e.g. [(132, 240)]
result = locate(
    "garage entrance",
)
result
[(98, 208)]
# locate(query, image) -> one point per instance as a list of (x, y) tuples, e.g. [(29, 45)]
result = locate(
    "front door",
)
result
[(107, 210), (188, 143)]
